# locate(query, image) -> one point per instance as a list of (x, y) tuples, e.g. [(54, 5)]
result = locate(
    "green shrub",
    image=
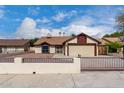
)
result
[(114, 46)]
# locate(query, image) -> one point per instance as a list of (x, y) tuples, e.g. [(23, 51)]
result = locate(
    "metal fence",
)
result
[(87, 63), (47, 60), (102, 63), (6, 60)]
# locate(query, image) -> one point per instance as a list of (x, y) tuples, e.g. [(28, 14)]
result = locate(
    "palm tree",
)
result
[(63, 33), (60, 33)]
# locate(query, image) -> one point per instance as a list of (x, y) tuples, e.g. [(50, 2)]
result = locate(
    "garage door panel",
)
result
[(83, 50)]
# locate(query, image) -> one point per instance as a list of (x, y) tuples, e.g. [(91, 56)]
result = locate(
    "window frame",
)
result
[(59, 49), (45, 51)]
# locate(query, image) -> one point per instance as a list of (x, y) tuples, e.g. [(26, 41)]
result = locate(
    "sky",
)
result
[(37, 21)]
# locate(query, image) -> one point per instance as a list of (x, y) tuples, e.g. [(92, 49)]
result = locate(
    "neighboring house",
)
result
[(14, 45), (103, 49), (111, 39), (81, 44)]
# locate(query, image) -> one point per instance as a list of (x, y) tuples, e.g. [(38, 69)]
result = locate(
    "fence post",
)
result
[(76, 59), (77, 62), (18, 60), (123, 51)]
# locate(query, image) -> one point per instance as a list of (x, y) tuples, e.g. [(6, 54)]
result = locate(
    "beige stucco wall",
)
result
[(32, 48), (52, 49), (97, 50), (89, 40), (122, 49), (20, 49), (12, 49), (38, 49), (84, 51), (121, 52), (66, 44), (39, 68), (73, 41)]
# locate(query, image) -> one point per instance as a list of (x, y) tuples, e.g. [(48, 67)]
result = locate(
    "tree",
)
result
[(120, 22), (115, 34), (73, 35), (32, 41), (114, 46), (106, 35), (119, 27), (120, 18), (60, 33)]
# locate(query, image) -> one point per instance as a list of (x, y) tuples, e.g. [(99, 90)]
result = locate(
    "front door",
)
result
[(45, 49)]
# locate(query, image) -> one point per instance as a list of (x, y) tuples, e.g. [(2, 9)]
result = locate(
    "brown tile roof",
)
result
[(13, 42), (106, 40), (102, 41), (53, 40), (112, 39)]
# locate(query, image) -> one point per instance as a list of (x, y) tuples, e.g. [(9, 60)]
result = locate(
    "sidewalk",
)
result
[(84, 80)]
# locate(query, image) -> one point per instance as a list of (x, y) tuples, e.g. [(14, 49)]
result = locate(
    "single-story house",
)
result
[(103, 48), (80, 45), (14, 45)]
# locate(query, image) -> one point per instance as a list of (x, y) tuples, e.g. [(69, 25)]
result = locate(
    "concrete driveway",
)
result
[(84, 80)]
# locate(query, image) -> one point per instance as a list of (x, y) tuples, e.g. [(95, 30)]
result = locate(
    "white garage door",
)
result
[(83, 50)]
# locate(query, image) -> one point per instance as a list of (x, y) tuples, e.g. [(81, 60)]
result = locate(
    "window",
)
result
[(45, 49), (59, 49), (5, 49)]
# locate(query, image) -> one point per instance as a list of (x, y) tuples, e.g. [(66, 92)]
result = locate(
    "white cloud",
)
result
[(43, 20), (60, 16), (28, 28), (92, 31), (33, 11), (84, 20), (87, 25), (53, 32)]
